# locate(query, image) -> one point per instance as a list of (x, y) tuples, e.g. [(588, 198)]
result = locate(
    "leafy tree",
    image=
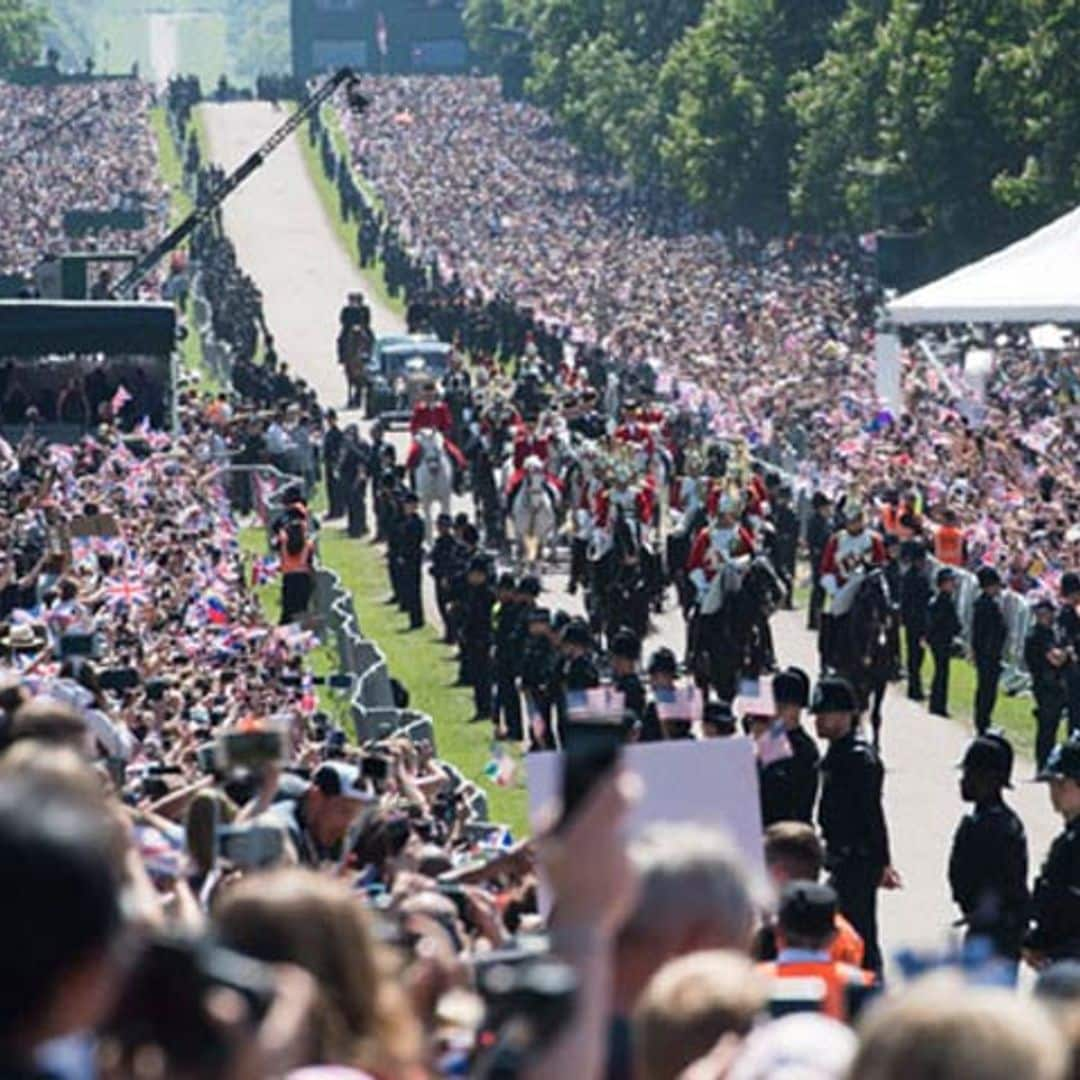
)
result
[(21, 26), (1033, 88)]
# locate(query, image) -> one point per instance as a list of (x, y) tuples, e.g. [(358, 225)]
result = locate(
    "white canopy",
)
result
[(1035, 280)]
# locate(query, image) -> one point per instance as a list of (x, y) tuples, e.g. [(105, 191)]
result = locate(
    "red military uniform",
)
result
[(528, 445), (636, 433), (434, 415)]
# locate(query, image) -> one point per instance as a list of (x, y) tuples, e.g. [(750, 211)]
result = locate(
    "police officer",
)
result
[(850, 813), (1054, 932), (411, 555), (662, 671), (1068, 620), (1046, 661), (791, 694), (988, 636), (476, 606), (942, 629), (444, 562), (818, 530), (538, 664), (625, 658), (989, 860), (785, 539), (509, 641), (915, 614), (331, 449)]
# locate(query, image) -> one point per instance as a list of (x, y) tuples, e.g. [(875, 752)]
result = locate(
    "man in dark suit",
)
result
[(411, 555), (988, 637)]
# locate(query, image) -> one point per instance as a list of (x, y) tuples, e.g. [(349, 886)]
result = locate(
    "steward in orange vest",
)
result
[(805, 930)]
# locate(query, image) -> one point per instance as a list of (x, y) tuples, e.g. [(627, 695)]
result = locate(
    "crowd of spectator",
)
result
[(69, 147), (773, 339)]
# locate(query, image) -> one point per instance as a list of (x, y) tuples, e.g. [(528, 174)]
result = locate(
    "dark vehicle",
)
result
[(400, 366), (66, 366)]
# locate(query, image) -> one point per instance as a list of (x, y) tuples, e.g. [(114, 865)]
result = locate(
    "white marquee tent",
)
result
[(1035, 280)]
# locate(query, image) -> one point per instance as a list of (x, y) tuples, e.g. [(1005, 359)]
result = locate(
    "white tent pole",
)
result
[(887, 372)]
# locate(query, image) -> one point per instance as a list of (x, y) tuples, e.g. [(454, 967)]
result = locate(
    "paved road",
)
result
[(285, 242)]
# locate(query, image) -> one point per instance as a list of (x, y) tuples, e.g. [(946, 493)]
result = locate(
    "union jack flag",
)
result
[(124, 592)]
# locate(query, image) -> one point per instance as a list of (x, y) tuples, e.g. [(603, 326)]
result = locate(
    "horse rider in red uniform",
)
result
[(528, 444), (432, 414)]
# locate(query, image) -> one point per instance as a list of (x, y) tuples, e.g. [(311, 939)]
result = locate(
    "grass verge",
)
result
[(180, 205), (345, 230), (422, 663)]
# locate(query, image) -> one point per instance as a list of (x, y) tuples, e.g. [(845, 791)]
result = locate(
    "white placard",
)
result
[(708, 782)]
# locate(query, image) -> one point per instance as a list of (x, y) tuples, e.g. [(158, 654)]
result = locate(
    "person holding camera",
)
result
[(317, 823)]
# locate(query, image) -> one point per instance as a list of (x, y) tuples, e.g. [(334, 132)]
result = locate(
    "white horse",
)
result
[(433, 477), (533, 512)]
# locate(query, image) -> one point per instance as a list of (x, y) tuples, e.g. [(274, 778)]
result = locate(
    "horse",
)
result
[(735, 641), (433, 475), (861, 644), (621, 579), (534, 512)]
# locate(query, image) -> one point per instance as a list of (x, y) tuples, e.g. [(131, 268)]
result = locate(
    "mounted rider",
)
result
[(850, 553), (720, 553), (431, 413), (529, 445)]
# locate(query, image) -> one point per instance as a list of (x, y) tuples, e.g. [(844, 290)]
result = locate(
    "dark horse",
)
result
[(861, 644), (736, 641), (623, 582)]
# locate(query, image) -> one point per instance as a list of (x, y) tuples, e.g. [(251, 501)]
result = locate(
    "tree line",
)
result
[(961, 116)]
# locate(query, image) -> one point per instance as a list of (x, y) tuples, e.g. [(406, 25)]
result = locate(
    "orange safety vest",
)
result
[(949, 545), (837, 978), (890, 518), (299, 563), (848, 946)]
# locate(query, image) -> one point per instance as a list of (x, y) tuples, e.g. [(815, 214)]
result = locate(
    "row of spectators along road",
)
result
[(75, 147), (774, 338)]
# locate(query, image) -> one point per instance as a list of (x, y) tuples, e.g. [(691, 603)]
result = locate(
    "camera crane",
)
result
[(126, 286)]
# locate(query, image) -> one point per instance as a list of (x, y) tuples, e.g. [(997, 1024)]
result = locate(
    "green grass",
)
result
[(344, 230), (417, 658), (180, 205)]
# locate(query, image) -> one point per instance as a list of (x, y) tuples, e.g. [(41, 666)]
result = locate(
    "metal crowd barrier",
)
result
[(372, 708)]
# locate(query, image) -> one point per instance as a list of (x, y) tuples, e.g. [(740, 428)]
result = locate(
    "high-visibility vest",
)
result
[(300, 563), (890, 519), (949, 545), (836, 979)]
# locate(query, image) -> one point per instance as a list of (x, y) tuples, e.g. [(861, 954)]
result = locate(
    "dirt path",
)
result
[(285, 242)]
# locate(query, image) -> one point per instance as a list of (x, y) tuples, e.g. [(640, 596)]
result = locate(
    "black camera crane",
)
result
[(125, 287)]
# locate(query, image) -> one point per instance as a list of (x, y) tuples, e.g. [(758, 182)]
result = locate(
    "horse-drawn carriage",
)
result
[(401, 366)]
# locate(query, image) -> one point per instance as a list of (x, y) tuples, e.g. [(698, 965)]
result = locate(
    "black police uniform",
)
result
[(914, 613), (411, 554), (785, 545), (1048, 686), (942, 629), (331, 449), (476, 634), (988, 875), (1068, 622), (538, 663), (988, 637), (1055, 902), (856, 837), (445, 563), (508, 620), (817, 536), (633, 691)]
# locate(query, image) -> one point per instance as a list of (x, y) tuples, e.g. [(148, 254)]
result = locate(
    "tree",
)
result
[(730, 134), (1032, 86), (21, 26)]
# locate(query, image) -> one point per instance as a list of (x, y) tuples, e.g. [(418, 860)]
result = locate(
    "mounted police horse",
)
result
[(860, 643), (433, 474), (730, 634)]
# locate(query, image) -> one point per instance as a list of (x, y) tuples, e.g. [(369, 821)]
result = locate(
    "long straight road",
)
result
[(286, 243)]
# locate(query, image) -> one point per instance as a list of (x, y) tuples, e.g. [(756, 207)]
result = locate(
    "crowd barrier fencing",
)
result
[(373, 710)]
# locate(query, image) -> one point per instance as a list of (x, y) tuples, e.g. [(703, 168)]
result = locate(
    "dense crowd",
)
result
[(83, 146), (486, 196)]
